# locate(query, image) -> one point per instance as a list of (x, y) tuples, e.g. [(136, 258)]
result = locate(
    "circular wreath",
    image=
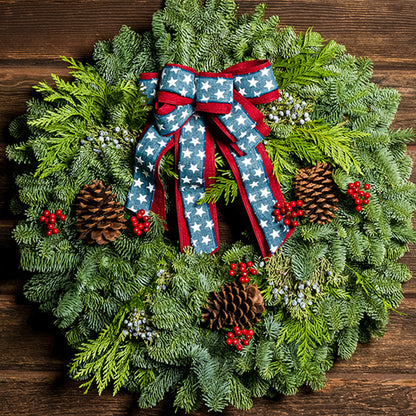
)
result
[(149, 314)]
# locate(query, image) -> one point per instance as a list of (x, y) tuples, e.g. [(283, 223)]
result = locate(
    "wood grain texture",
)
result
[(379, 379)]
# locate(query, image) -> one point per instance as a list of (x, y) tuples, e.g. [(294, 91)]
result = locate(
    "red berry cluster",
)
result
[(360, 197), (239, 337), (141, 226), (288, 212), (49, 221), (243, 269)]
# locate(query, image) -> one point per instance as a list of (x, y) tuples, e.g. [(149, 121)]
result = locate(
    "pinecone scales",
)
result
[(316, 188), (100, 218), (234, 305)]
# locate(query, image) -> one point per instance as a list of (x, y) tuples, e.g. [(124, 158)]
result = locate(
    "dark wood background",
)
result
[(380, 378)]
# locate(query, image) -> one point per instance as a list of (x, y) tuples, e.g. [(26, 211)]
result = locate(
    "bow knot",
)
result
[(187, 102)]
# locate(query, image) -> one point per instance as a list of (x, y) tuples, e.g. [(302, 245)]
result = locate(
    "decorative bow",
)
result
[(192, 107)]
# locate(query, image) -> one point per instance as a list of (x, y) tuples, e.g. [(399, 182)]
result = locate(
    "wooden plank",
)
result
[(380, 29)]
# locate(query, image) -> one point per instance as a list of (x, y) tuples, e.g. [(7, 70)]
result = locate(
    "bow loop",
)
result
[(188, 102)]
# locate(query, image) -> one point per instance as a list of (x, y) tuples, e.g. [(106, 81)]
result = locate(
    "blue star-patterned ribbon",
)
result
[(191, 108)]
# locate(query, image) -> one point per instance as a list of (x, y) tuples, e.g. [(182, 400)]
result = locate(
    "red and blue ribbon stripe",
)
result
[(191, 109)]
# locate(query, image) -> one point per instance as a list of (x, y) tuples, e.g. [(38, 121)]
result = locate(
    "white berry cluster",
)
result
[(137, 325), (115, 138), (288, 110)]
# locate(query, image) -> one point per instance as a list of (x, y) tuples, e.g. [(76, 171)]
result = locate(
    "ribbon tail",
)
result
[(194, 156), (147, 191)]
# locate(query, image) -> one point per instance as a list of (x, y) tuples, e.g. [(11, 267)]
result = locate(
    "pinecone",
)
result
[(100, 218), (316, 188), (235, 305)]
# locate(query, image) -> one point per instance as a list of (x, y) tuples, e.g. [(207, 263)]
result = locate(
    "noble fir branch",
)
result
[(309, 66), (223, 186)]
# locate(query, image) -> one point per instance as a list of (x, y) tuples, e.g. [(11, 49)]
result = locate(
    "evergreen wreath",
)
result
[(216, 329)]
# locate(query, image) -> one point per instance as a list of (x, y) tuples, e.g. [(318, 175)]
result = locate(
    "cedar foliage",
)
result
[(329, 287)]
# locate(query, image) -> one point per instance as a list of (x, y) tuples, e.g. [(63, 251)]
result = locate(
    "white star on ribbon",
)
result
[(241, 120), (205, 86), (220, 81), (174, 69), (253, 82), (252, 198), (263, 208), (254, 184), (150, 187), (204, 98), (142, 198), (138, 183), (172, 82), (187, 79), (246, 162), (151, 135), (183, 91), (196, 227), (245, 177), (187, 153), (201, 154), (189, 199), (258, 172), (200, 211), (188, 128), (263, 224), (186, 179), (265, 192), (150, 167), (265, 72), (268, 85), (209, 224), (275, 234), (238, 79), (201, 129), (219, 94), (193, 168), (149, 150), (170, 118), (242, 91), (251, 138), (195, 141), (206, 239)]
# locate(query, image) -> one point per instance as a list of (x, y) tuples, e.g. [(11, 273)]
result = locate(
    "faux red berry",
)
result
[(244, 331), (286, 222), (146, 230), (295, 224), (354, 195), (300, 213), (351, 185), (55, 231), (145, 218), (242, 280), (146, 224), (358, 201), (235, 341), (237, 329), (42, 218), (50, 226), (250, 264), (350, 191), (283, 211), (277, 205), (253, 272), (279, 218), (239, 347), (276, 212), (299, 203), (287, 204), (49, 233), (357, 184), (293, 204), (233, 266), (367, 186), (231, 272), (230, 335), (46, 213), (229, 341), (366, 201), (358, 208), (294, 214), (58, 212), (367, 195), (250, 332), (62, 217), (246, 341)]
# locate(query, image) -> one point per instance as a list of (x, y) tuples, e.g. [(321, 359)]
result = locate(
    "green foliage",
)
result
[(329, 287)]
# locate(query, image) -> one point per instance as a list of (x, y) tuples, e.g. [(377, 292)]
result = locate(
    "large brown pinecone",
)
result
[(100, 218), (234, 305), (316, 188)]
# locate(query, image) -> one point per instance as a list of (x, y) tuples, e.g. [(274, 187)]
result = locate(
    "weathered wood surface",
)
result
[(380, 378)]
